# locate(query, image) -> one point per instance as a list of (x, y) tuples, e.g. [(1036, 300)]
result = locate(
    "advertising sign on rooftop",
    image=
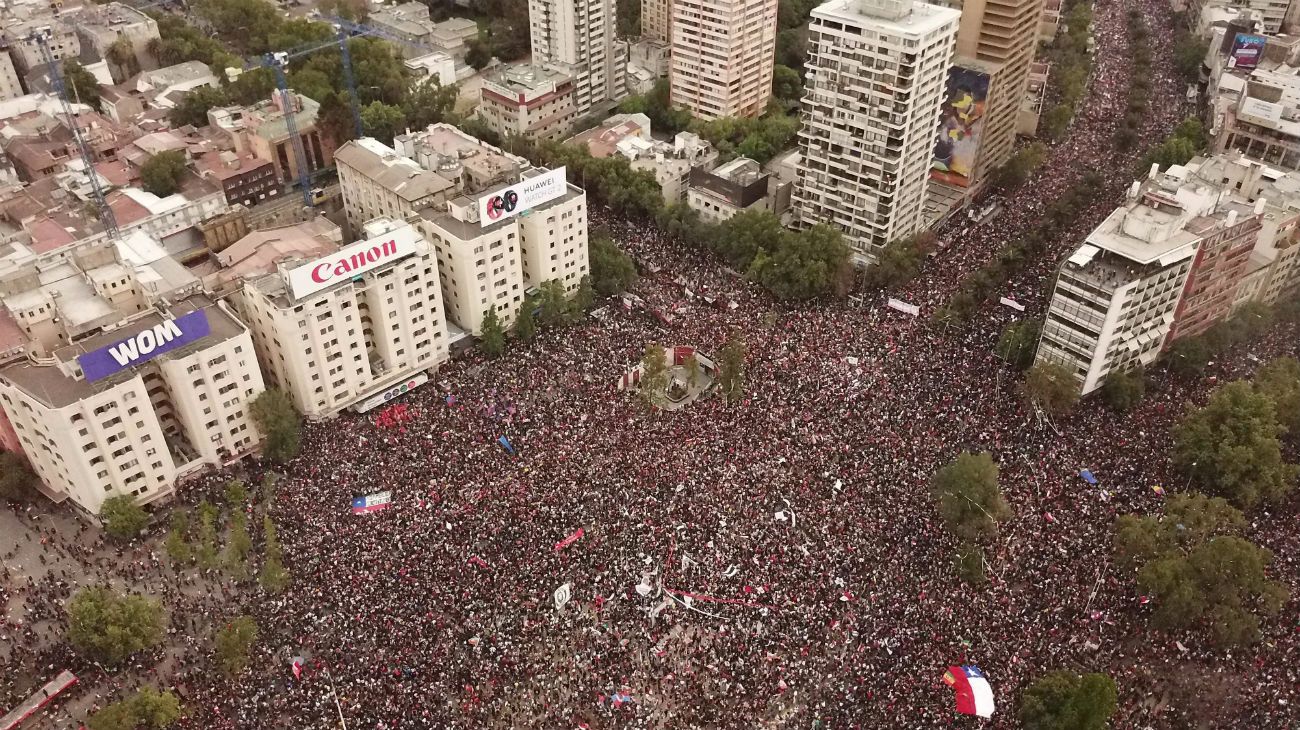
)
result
[(521, 197), (351, 261), (144, 346), (1247, 50)]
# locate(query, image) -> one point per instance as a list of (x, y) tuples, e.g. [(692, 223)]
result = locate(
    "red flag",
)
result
[(297, 667), (569, 540)]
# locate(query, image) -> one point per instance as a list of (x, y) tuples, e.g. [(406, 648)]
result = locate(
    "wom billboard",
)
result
[(351, 261), (521, 196), (1247, 50), (961, 124), (144, 346)]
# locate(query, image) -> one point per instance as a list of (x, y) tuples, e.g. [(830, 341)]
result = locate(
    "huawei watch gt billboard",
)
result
[(145, 345), (521, 196)]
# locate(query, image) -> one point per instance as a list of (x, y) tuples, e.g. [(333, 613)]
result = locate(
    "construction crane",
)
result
[(41, 37)]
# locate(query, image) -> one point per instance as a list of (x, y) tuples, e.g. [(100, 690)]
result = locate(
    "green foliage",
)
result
[(1071, 67), (1279, 380), (428, 102), (1198, 571), (787, 85), (179, 42), (274, 578), (382, 121), (731, 368), (147, 708), (692, 367), (17, 481), (1053, 387), (193, 107), (1140, 58), (162, 173), (280, 423), (81, 84), (177, 546), (899, 261), (1231, 447), (234, 642), (682, 222), (758, 138), (109, 628), (1186, 141), (1189, 53), (492, 336), (1018, 342), (478, 53), (1188, 355), (969, 563), (968, 497), (239, 546), (628, 14), (122, 517), (608, 180), (1123, 391), (206, 551), (584, 297), (1064, 700), (525, 327), (555, 304), (740, 239), (658, 106), (612, 271), (236, 494), (121, 57), (807, 265), (654, 374), (1021, 165)]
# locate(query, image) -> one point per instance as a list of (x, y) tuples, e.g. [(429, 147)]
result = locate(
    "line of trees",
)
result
[(1139, 91), (1071, 67)]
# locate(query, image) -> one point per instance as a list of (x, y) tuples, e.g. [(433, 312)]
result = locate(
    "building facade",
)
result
[(866, 155), (719, 194), (377, 182), (577, 37), (723, 53), (528, 100), (10, 88), (656, 20)]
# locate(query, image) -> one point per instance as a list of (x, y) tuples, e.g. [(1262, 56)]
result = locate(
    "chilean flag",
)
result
[(974, 695), (371, 503)]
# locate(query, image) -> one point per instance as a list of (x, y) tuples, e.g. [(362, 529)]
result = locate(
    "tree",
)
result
[(1123, 391), (382, 121), (1188, 356), (192, 109), (428, 102), (478, 53), (740, 238), (899, 261), (110, 628), (280, 423), (1018, 343), (1017, 170), (17, 481), (1231, 447), (147, 708), (1052, 387), (525, 325), (1279, 380), (178, 548), (274, 578), (1064, 700), (692, 366), (234, 642), (239, 546), (682, 222), (969, 500), (1198, 571), (585, 296), (969, 563), (206, 552), (492, 335), (612, 271), (806, 265), (654, 374), (122, 517), (731, 368), (121, 56), (555, 304), (82, 86), (786, 84), (162, 173)]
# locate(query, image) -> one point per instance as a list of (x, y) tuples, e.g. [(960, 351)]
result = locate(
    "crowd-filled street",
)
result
[(768, 563)]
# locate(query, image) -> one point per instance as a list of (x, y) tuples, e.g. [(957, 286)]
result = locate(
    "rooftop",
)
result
[(400, 175), (905, 18), (602, 141), (453, 154), (258, 253)]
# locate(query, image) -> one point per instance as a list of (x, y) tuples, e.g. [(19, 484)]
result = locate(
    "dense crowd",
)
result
[(769, 563)]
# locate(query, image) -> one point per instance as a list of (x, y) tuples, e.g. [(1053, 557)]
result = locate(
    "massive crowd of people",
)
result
[(773, 562)]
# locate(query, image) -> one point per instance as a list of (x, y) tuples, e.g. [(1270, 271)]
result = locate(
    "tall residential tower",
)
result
[(722, 56), (577, 37), (876, 76)]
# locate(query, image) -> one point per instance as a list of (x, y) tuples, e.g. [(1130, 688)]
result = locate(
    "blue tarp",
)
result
[(1088, 477), (505, 444)]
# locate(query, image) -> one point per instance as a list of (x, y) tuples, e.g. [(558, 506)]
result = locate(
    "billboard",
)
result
[(521, 196), (961, 123), (144, 346), (1246, 50), (401, 388), (352, 261)]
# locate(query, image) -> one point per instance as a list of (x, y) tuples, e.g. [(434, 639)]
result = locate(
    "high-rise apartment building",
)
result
[(723, 52), (578, 38), (876, 76), (656, 19), (1119, 296), (1001, 37)]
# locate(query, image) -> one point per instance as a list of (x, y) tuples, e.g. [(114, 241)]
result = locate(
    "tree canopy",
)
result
[(81, 84), (1279, 380), (1063, 700), (109, 628), (147, 708), (492, 335), (17, 481), (654, 374), (280, 423), (612, 271), (899, 261), (162, 173), (1231, 447), (122, 517), (1123, 391), (234, 642), (1018, 343), (968, 497), (731, 368), (1198, 571), (1052, 387)]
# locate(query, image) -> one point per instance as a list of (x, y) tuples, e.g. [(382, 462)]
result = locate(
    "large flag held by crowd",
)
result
[(371, 503), (974, 695)]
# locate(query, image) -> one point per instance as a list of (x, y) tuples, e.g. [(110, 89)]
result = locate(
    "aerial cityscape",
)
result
[(662, 364)]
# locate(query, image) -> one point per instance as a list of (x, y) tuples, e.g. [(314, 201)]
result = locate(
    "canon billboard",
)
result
[(352, 261), (521, 196), (144, 346)]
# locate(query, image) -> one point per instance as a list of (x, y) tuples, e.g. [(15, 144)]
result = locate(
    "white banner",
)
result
[(1012, 303), (562, 595), (903, 306), (521, 197), (351, 261)]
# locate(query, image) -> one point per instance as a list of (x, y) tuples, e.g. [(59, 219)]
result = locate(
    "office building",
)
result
[(723, 53), (339, 327), (866, 157), (132, 378), (262, 130), (730, 188), (577, 37), (1120, 296)]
